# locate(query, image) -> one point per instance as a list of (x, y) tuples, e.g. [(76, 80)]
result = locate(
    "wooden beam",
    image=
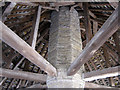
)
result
[(98, 87), (20, 14), (112, 53), (8, 11), (105, 73), (55, 4), (13, 40), (37, 86), (90, 13), (87, 22), (34, 33), (109, 27), (116, 37), (102, 10), (95, 27), (36, 27), (22, 75)]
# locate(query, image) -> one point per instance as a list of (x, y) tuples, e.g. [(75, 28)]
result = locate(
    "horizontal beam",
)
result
[(99, 74), (98, 87), (109, 27), (37, 86), (22, 75), (13, 40)]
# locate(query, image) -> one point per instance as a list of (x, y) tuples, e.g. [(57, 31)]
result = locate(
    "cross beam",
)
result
[(98, 87), (13, 40), (99, 74), (109, 27), (22, 75)]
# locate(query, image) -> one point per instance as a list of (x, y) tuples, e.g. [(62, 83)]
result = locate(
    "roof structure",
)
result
[(30, 22)]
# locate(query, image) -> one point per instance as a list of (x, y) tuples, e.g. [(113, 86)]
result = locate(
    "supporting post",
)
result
[(9, 37), (108, 28), (64, 46), (99, 74), (22, 75)]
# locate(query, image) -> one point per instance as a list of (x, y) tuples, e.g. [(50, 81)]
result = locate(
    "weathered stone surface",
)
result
[(64, 46)]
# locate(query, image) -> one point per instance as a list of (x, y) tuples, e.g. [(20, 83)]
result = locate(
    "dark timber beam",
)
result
[(87, 22), (109, 27), (13, 40), (99, 74), (22, 75), (116, 37)]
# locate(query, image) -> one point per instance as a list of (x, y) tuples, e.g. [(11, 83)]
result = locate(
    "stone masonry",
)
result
[(65, 45)]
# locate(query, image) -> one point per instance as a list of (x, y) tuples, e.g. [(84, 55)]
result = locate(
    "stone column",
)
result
[(65, 45)]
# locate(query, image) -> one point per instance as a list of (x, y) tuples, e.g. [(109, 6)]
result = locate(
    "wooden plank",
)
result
[(22, 75), (105, 73), (98, 87), (8, 11), (13, 40), (109, 27)]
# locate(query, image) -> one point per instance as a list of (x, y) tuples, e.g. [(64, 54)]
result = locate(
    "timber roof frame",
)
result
[(16, 20)]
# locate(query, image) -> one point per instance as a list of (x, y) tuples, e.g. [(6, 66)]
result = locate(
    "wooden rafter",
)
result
[(36, 27), (108, 72), (22, 75), (9, 37), (108, 28)]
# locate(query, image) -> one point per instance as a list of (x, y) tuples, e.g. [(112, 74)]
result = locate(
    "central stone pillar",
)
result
[(65, 45)]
